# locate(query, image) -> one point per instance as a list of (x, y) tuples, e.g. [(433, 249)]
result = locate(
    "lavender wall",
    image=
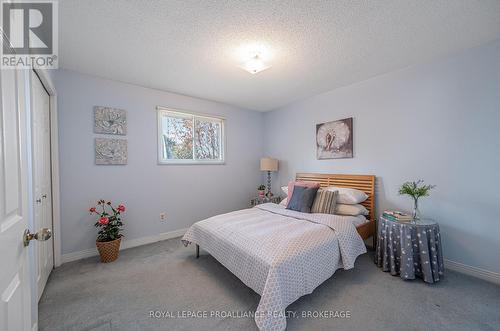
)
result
[(187, 193), (438, 121)]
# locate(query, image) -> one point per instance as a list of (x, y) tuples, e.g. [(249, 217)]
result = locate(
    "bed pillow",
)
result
[(285, 190), (359, 220), (350, 210), (284, 202), (324, 202), (348, 196), (293, 184), (293, 201), (302, 199)]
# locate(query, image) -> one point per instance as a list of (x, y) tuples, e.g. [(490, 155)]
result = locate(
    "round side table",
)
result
[(410, 249), (258, 200)]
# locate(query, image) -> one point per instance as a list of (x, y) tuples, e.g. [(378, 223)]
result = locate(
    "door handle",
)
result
[(42, 235), (44, 196), (38, 200)]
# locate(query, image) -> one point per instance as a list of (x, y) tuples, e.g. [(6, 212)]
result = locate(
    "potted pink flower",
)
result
[(110, 223), (262, 191)]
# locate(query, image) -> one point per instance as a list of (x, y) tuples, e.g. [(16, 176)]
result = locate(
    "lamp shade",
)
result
[(268, 164)]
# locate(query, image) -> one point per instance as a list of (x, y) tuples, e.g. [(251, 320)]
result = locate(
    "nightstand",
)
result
[(410, 249), (258, 201)]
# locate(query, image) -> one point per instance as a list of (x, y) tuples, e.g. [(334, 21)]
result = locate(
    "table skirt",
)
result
[(410, 250)]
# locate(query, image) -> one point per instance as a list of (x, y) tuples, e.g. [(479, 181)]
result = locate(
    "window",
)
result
[(189, 138)]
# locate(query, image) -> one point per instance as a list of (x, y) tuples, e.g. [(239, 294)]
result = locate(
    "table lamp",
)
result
[(268, 164)]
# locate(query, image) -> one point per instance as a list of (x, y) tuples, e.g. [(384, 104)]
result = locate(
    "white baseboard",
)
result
[(124, 245), (487, 275)]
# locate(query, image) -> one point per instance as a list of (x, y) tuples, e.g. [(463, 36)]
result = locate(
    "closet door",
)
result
[(42, 183)]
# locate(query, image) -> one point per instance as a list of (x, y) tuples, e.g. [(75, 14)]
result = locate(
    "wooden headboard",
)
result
[(365, 183)]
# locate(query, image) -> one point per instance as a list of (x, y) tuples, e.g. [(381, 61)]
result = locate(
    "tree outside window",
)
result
[(189, 138)]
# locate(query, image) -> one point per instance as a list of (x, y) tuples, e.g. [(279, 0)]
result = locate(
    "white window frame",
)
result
[(162, 111)]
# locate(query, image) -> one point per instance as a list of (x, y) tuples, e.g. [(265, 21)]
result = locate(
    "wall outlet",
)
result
[(163, 216)]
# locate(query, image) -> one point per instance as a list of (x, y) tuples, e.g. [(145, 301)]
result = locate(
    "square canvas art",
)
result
[(110, 120), (110, 151), (334, 139)]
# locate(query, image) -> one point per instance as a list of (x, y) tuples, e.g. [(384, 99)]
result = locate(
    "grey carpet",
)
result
[(165, 276)]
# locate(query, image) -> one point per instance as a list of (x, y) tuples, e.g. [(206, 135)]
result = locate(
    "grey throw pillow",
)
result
[(293, 204), (325, 202), (302, 198)]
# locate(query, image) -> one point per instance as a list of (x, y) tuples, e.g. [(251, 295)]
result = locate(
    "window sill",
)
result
[(191, 163)]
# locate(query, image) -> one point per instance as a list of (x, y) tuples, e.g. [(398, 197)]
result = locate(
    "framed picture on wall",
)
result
[(109, 120), (110, 151), (334, 140)]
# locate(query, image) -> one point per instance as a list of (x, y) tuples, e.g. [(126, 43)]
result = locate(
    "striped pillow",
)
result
[(325, 202)]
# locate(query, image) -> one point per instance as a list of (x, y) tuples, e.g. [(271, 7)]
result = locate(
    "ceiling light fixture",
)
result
[(255, 64)]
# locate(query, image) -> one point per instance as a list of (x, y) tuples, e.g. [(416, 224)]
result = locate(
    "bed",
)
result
[(283, 254)]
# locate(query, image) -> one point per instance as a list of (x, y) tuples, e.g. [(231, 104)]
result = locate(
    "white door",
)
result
[(42, 187), (15, 291)]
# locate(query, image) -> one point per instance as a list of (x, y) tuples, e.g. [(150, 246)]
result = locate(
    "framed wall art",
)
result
[(110, 151), (109, 120), (334, 139)]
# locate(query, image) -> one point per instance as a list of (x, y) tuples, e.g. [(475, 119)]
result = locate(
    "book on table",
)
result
[(395, 215)]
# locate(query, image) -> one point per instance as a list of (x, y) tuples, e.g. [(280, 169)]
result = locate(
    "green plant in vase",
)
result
[(415, 190)]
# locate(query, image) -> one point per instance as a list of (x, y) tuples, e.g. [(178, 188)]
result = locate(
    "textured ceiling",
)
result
[(189, 47)]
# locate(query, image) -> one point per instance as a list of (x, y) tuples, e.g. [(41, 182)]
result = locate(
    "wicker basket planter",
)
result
[(108, 250)]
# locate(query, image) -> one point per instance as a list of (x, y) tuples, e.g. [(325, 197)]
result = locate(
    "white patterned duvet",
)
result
[(280, 254)]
